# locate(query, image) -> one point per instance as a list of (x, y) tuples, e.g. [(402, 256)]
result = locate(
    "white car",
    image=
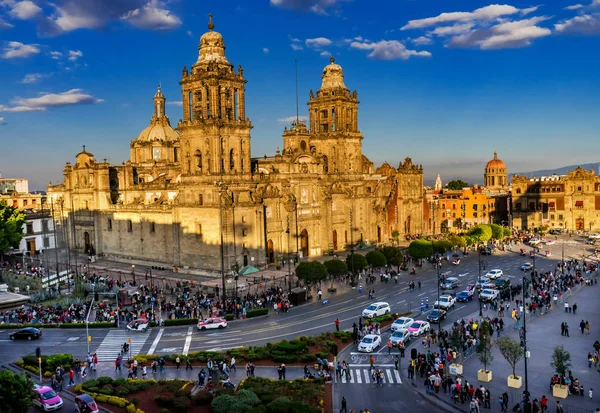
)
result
[(212, 322), (138, 325), (494, 274), (376, 309), (595, 236), (489, 295), (401, 323), (400, 335), (446, 302), (369, 343), (550, 242), (419, 327)]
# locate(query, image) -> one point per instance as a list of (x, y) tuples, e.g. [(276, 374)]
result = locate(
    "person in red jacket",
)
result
[(71, 378), (337, 324)]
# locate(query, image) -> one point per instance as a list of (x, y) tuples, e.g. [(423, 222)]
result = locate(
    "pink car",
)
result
[(419, 327), (47, 399)]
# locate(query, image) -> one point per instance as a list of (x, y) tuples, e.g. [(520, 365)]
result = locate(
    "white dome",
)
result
[(158, 131), (333, 76)]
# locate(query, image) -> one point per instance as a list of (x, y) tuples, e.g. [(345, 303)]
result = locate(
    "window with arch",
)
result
[(129, 226), (198, 156), (231, 160), (303, 145)]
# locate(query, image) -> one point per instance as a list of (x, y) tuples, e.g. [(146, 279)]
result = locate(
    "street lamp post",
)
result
[(288, 255), (220, 185), (352, 246), (438, 265), (525, 337)]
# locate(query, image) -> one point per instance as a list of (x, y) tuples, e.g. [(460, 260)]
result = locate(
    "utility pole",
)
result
[(480, 265), (220, 185), (55, 245), (288, 254), (525, 337), (352, 245)]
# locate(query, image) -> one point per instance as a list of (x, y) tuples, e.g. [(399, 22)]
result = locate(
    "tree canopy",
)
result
[(336, 267), (457, 184), (376, 259), (481, 232), (392, 255), (457, 241), (497, 231), (484, 345), (420, 248), (311, 272), (511, 351), (360, 262), (11, 227), (16, 392)]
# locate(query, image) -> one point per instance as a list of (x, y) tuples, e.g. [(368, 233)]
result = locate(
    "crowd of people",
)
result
[(44, 314)]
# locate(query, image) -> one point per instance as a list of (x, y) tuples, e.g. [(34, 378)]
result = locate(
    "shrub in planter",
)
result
[(55, 360), (131, 408), (248, 398), (101, 398), (107, 390), (308, 358), (183, 393), (203, 398), (283, 404), (257, 313), (229, 317), (164, 399), (135, 400), (117, 401), (181, 321), (122, 391), (226, 404), (87, 385), (285, 358), (104, 380), (181, 403), (93, 390)]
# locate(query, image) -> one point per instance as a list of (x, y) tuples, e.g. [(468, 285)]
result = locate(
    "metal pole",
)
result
[(480, 286), (55, 246), (525, 338), (288, 255), (437, 264), (352, 245), (222, 245)]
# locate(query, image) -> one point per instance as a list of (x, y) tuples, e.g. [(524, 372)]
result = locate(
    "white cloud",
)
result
[(486, 13), (422, 41), (152, 16), (453, 30), (189, 33), (296, 46), (56, 55), (588, 24), (5, 25), (291, 119), (33, 78), (325, 53), (318, 42), (312, 6), (23, 10), (574, 7), (2, 122), (19, 50), (294, 39), (175, 102), (50, 100), (265, 50), (388, 50), (74, 55)]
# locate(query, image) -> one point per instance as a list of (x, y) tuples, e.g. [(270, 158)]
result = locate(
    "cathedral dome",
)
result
[(212, 46), (333, 76), (495, 163), (158, 131)]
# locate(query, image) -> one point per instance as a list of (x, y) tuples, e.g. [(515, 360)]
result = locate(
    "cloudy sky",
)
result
[(446, 83)]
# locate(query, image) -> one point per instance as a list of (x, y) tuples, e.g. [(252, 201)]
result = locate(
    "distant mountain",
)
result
[(558, 171)]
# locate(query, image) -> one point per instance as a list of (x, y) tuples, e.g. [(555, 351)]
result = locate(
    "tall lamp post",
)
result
[(482, 265), (438, 265), (220, 185), (526, 353), (352, 245), (287, 231)]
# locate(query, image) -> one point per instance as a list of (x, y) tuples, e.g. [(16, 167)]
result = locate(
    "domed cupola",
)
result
[(333, 76), (212, 47)]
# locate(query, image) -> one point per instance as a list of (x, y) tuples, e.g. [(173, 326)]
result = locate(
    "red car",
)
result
[(84, 403)]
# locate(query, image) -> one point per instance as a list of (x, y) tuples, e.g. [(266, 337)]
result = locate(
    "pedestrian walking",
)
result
[(177, 362), (559, 408), (337, 324), (118, 364), (71, 378), (144, 372), (188, 363), (575, 308), (161, 363), (396, 361), (232, 364), (566, 329), (344, 405), (582, 326), (389, 346)]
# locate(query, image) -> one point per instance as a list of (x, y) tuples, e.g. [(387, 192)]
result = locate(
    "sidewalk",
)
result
[(543, 334)]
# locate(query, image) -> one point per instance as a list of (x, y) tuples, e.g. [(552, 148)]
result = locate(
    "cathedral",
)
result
[(189, 191)]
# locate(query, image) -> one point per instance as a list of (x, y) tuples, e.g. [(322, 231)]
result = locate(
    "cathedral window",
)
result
[(152, 228), (129, 226), (155, 153), (518, 190), (200, 200), (109, 224), (191, 103), (236, 102), (175, 154), (244, 232), (243, 219), (198, 156), (231, 160), (303, 145)]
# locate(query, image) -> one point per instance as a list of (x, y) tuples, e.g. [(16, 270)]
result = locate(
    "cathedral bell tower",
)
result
[(333, 117), (215, 133)]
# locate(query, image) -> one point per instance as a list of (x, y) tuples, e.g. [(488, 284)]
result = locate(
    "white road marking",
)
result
[(389, 376), (463, 275), (400, 302), (358, 377), (398, 379), (367, 376), (156, 340), (73, 339), (352, 376), (188, 341), (421, 294)]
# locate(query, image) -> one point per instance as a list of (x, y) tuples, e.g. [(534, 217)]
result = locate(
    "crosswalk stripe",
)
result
[(358, 377), (389, 376), (398, 379), (111, 345), (367, 376), (343, 378), (355, 376), (351, 377)]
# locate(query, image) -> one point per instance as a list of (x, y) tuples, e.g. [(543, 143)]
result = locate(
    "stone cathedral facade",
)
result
[(187, 190)]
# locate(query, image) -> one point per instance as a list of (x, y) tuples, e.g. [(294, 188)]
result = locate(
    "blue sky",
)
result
[(446, 83)]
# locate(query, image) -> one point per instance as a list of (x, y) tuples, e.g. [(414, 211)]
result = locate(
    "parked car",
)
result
[(369, 343), (400, 335), (446, 302), (527, 266), (502, 283), (46, 398), (494, 274), (401, 323), (419, 327), (488, 295), (84, 403), (138, 325), (27, 333), (464, 296), (595, 236), (376, 309), (436, 316), (212, 322), (450, 283)]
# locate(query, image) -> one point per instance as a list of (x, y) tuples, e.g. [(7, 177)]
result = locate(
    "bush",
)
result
[(101, 398), (164, 399), (308, 358), (257, 313), (227, 404), (55, 360), (229, 317), (181, 321), (183, 393), (122, 391), (248, 398), (285, 358), (104, 324), (107, 390), (93, 390), (163, 410), (181, 404), (88, 384), (104, 380), (118, 401), (284, 405), (131, 408), (119, 382), (135, 400), (203, 398), (16, 326), (294, 346)]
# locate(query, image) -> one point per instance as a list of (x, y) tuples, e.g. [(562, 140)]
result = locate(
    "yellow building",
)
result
[(187, 190)]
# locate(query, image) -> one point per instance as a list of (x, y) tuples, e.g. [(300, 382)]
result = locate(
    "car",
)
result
[(526, 267), (534, 242), (449, 283), (595, 236), (212, 322), (138, 325), (446, 302), (46, 398), (84, 403), (456, 261), (555, 231), (502, 283), (591, 241), (401, 323), (369, 343), (550, 242), (488, 294), (400, 335), (464, 296), (437, 315), (27, 333), (376, 309), (480, 283), (494, 274), (471, 287), (485, 251), (419, 327)]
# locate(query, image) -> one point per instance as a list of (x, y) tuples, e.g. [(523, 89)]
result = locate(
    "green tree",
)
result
[(396, 236), (456, 241), (456, 339), (420, 248), (484, 346), (360, 262), (311, 273), (376, 259), (11, 227), (507, 232), (16, 392), (511, 351), (336, 267), (392, 255), (481, 232), (561, 360), (457, 184), (497, 231)]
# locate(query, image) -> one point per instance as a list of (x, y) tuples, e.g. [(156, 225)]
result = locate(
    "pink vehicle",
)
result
[(47, 399)]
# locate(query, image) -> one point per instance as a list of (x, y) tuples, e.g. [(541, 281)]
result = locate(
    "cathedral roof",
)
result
[(158, 131), (495, 163), (212, 46), (333, 76)]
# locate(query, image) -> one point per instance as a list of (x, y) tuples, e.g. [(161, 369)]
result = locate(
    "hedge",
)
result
[(180, 321), (15, 326), (380, 319), (229, 317), (106, 324), (256, 313)]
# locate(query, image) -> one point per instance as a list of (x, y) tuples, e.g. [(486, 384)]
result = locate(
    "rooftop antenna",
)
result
[(297, 117)]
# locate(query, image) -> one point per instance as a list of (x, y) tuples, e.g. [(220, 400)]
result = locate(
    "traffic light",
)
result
[(38, 352), (413, 353)]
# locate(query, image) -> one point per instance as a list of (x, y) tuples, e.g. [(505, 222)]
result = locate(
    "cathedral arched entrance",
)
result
[(86, 239), (580, 224), (407, 225), (270, 251), (335, 241), (304, 243), (379, 234)]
